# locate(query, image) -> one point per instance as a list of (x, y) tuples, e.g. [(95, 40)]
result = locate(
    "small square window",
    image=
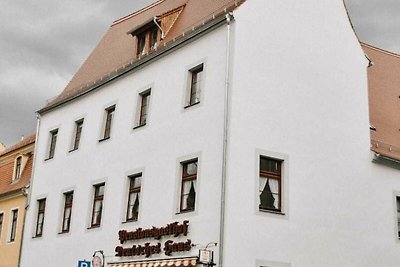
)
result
[(67, 214), (270, 184), (14, 221), (97, 205), (77, 134), (53, 142), (188, 185), (194, 91), (132, 212), (40, 217), (109, 115)]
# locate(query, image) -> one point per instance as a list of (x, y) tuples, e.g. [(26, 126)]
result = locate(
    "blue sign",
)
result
[(84, 264)]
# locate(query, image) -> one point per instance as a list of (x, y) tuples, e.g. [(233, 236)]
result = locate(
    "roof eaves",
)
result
[(184, 38)]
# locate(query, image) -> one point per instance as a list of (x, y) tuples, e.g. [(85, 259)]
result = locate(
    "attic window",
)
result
[(147, 36)]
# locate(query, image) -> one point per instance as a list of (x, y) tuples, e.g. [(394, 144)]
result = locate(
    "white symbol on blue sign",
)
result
[(84, 264)]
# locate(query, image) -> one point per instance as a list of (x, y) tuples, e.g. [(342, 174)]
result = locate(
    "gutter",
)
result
[(229, 19)]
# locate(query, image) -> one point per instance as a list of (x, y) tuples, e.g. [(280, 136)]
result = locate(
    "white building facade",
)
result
[(250, 132)]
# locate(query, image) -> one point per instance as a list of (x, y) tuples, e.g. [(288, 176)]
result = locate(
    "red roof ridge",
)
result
[(26, 141), (380, 50), (136, 12)]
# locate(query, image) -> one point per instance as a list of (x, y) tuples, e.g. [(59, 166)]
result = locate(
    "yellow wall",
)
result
[(9, 251)]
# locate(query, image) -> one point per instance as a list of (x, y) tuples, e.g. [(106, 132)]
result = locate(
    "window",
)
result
[(18, 168), (97, 205), (195, 85), (108, 121), (53, 141), (398, 215), (270, 184), (144, 108), (14, 219), (1, 223), (40, 217), (133, 197), (188, 185), (147, 39), (78, 132), (68, 199)]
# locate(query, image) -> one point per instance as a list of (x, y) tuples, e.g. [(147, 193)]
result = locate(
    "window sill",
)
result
[(130, 221), (272, 211), (36, 236), (94, 227), (191, 105), (139, 126), (104, 139), (185, 211), (46, 159), (63, 233), (74, 149)]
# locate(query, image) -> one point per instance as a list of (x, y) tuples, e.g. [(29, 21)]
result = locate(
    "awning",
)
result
[(157, 263)]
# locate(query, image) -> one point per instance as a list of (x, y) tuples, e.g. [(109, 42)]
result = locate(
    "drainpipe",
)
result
[(229, 18), (158, 25), (27, 190)]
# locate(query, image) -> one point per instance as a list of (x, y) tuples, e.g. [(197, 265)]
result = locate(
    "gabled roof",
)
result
[(26, 141), (117, 48)]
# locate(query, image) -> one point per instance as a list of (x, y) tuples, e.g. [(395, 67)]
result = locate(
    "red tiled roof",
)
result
[(6, 175), (117, 48), (7, 167), (27, 140)]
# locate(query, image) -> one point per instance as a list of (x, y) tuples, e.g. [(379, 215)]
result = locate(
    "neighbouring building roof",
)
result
[(384, 101), (117, 49), (7, 166), (26, 141)]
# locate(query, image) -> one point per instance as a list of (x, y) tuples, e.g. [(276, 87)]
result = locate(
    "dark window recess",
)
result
[(188, 186), (144, 108), (67, 214), (14, 220), (141, 46), (40, 217), (78, 132), (97, 205), (270, 184), (398, 215), (195, 84), (132, 212), (109, 117), (18, 168), (1, 222), (53, 141)]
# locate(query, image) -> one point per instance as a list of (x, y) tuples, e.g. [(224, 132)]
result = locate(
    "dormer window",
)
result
[(147, 36), (18, 168), (19, 165)]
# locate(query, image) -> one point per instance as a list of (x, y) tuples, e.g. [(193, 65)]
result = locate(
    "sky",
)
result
[(43, 43)]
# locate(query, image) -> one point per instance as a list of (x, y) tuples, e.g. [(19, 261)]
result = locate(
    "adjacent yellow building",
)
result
[(15, 173)]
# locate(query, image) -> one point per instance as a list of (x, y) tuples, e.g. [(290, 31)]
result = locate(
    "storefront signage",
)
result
[(174, 229)]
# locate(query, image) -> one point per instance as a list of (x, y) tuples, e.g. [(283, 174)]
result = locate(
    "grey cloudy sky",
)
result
[(43, 43)]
